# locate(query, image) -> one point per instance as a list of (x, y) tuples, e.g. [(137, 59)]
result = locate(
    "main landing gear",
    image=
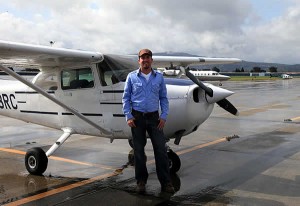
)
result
[(174, 160), (36, 160)]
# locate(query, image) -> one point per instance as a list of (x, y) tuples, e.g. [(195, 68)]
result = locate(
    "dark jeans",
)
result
[(149, 123)]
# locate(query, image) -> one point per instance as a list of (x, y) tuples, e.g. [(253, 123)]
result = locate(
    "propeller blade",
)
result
[(225, 104), (208, 90)]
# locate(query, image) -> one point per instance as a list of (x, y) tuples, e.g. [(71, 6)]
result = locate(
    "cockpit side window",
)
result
[(77, 78)]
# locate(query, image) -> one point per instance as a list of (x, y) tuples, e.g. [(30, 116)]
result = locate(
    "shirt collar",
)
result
[(153, 71)]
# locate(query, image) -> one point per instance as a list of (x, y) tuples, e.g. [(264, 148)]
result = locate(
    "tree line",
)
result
[(258, 69)]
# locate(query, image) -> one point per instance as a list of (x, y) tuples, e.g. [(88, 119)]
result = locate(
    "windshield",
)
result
[(115, 68)]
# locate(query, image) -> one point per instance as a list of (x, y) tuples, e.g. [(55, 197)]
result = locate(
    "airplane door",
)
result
[(79, 91), (111, 93)]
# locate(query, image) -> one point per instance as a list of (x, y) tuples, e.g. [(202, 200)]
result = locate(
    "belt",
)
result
[(145, 114)]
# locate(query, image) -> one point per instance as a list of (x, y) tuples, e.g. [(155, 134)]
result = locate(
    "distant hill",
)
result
[(247, 66)]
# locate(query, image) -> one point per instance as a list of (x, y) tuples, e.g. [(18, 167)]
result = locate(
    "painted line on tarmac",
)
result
[(256, 110), (202, 146), (181, 152), (97, 178), (295, 118), (292, 119), (61, 189), (14, 151)]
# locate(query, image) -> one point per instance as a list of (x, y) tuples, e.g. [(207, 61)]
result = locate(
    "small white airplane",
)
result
[(200, 75), (210, 76), (80, 92)]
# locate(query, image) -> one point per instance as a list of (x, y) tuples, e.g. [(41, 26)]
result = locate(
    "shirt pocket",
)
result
[(155, 88), (137, 87)]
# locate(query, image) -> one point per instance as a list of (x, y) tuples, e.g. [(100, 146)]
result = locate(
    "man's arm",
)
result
[(164, 102), (126, 100)]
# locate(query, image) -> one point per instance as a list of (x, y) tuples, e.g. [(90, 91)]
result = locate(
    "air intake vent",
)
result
[(196, 95)]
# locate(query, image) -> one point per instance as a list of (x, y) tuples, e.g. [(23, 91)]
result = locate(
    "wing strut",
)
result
[(45, 94)]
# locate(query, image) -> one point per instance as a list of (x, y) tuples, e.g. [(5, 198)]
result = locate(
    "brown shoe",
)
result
[(168, 188), (141, 187)]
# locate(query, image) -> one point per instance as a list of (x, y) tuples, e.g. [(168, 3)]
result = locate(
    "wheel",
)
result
[(131, 158), (175, 181), (36, 161), (174, 161)]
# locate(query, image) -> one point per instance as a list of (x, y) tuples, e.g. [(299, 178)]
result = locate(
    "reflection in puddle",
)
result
[(16, 186)]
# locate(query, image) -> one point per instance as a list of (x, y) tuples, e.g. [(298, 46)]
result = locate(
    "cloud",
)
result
[(229, 28), (278, 40)]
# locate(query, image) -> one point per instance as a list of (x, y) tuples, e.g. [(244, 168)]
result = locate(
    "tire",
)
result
[(174, 162), (131, 158), (36, 161)]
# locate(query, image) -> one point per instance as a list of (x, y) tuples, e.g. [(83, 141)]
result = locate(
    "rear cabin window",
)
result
[(77, 79)]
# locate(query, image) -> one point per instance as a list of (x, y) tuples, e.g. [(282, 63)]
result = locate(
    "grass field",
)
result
[(249, 78)]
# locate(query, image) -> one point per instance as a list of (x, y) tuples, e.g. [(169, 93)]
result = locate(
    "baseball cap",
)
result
[(145, 51)]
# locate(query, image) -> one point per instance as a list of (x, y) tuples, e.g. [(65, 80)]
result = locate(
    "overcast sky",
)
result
[(253, 30)]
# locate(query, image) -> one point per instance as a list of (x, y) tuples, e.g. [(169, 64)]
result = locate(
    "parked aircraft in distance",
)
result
[(201, 75)]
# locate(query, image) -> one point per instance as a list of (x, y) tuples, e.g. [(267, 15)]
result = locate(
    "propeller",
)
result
[(224, 103), (208, 90)]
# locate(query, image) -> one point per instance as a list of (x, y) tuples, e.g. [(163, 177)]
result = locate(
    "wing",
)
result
[(35, 56), (166, 61)]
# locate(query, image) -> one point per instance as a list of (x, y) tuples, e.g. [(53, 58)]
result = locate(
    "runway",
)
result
[(261, 167)]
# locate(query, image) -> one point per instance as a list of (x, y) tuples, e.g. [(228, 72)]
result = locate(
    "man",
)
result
[(144, 92)]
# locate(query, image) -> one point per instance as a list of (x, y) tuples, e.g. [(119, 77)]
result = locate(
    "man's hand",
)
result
[(161, 124), (130, 122)]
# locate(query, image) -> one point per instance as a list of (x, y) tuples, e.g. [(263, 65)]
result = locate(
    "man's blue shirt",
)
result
[(145, 96)]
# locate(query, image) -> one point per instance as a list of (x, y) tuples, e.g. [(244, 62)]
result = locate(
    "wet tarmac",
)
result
[(261, 167)]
